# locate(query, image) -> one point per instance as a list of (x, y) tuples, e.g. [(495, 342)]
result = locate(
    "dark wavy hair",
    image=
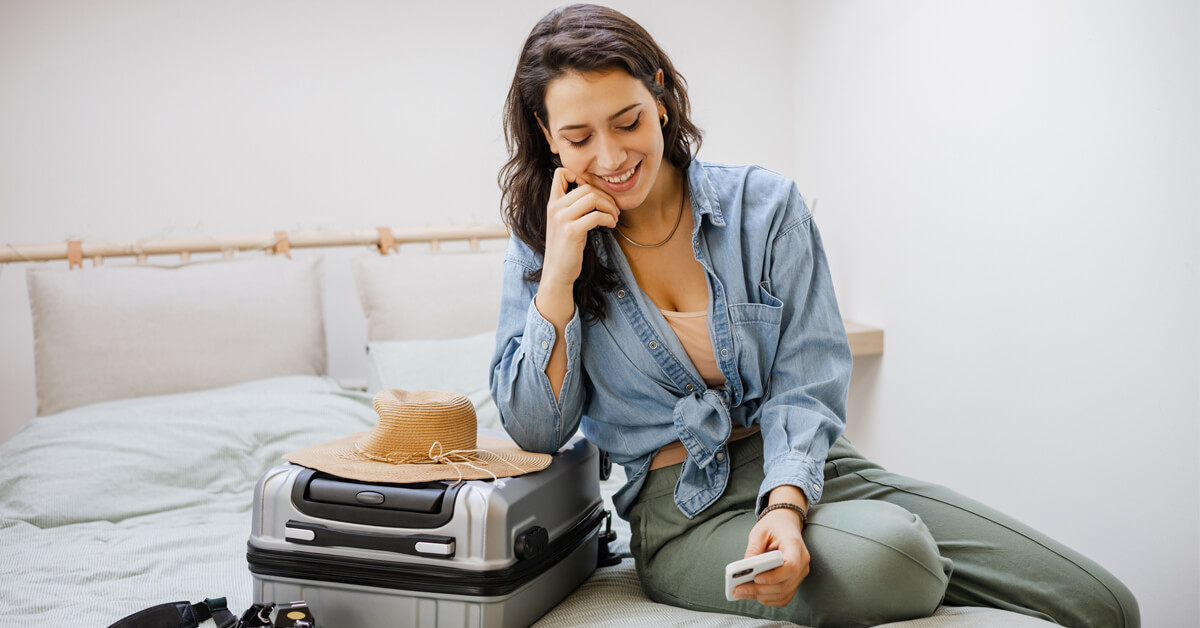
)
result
[(581, 38)]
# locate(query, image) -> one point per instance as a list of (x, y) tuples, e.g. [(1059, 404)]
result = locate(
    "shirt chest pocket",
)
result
[(755, 339)]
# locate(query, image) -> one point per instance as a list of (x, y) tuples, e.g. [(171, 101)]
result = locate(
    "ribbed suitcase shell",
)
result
[(389, 581)]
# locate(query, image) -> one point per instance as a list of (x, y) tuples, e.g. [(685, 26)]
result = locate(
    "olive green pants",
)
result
[(884, 548)]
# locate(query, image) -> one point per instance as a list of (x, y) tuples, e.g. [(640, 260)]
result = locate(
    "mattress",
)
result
[(112, 507)]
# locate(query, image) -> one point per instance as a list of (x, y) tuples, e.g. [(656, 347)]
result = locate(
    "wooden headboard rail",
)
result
[(385, 238)]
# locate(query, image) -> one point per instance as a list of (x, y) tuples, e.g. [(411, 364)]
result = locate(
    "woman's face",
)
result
[(605, 129)]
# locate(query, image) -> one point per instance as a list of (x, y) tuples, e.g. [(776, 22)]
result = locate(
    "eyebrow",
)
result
[(571, 127)]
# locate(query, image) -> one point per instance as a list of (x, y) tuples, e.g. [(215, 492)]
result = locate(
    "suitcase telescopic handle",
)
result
[(431, 545)]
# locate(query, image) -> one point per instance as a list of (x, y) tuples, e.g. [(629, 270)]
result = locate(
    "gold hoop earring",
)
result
[(665, 118)]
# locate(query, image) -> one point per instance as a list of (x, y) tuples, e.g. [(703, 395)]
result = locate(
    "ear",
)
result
[(659, 79), (546, 133)]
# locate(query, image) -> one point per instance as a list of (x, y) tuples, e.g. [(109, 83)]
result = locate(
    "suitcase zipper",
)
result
[(426, 578)]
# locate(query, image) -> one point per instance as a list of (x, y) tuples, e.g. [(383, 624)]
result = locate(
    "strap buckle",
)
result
[(255, 616)]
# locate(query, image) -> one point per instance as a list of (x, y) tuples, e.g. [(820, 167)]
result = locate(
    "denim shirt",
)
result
[(776, 333)]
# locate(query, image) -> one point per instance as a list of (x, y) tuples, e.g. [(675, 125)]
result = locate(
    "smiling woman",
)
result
[(714, 367), (608, 149), (583, 60)]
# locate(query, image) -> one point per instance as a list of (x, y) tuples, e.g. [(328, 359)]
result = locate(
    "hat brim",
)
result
[(494, 458)]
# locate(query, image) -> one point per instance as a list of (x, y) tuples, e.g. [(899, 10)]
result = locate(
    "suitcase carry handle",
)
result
[(431, 545), (429, 505), (419, 498)]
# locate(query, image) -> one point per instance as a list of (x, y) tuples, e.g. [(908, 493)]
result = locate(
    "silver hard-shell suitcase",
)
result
[(475, 553)]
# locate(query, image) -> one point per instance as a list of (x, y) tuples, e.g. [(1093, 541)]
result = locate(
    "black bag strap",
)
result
[(185, 615)]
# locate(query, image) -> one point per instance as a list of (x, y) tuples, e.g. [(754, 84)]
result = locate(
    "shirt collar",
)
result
[(704, 196), (704, 202)]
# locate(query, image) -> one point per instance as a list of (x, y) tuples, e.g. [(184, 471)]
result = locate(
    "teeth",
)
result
[(622, 177)]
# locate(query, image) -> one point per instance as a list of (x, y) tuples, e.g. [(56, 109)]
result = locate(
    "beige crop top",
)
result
[(692, 330)]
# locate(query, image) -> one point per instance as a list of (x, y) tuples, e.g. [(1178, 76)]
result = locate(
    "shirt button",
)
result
[(620, 294), (545, 345), (816, 488), (653, 344), (720, 456), (724, 353), (690, 388)]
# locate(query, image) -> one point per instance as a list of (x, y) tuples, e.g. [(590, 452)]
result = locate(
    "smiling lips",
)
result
[(624, 181), (621, 178)]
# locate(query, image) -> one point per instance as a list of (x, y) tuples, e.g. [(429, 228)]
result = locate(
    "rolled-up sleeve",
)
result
[(529, 411), (805, 411)]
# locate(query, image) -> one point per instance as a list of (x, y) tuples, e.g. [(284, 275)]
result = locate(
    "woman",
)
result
[(683, 313)]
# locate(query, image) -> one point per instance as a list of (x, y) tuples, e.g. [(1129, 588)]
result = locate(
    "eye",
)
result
[(579, 143), (634, 125)]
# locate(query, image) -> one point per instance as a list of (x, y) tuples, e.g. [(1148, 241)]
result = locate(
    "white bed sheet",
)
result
[(113, 507)]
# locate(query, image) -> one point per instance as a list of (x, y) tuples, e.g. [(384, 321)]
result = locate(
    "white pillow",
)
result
[(459, 364), (128, 331), (430, 295)]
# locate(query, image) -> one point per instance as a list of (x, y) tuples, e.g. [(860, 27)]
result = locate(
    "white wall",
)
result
[(1003, 187), (1009, 189), (137, 119)]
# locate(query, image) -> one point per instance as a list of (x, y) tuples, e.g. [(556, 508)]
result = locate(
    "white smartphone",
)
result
[(744, 570)]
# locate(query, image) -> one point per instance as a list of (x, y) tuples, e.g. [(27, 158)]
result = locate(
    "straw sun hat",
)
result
[(421, 436)]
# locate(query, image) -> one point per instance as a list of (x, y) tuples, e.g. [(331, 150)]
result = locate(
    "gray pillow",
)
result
[(457, 364), (430, 295), (128, 331)]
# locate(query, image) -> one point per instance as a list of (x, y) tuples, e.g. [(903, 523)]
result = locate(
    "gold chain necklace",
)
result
[(678, 220)]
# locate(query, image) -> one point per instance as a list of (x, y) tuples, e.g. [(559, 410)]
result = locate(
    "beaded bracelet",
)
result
[(793, 507)]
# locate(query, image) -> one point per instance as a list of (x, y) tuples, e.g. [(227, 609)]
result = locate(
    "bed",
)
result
[(165, 391)]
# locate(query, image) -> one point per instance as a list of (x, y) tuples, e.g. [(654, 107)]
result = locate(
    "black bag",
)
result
[(186, 615)]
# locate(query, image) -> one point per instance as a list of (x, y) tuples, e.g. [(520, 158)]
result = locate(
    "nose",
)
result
[(610, 155)]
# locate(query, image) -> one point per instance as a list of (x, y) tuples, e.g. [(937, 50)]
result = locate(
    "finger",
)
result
[(797, 556), (788, 571), (767, 589), (610, 203), (577, 229), (778, 592), (602, 199), (558, 185), (563, 179), (795, 553), (597, 219), (584, 180), (756, 544), (775, 596), (589, 203), (566, 200), (805, 564)]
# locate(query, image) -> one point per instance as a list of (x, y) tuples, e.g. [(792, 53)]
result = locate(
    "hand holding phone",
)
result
[(744, 570)]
